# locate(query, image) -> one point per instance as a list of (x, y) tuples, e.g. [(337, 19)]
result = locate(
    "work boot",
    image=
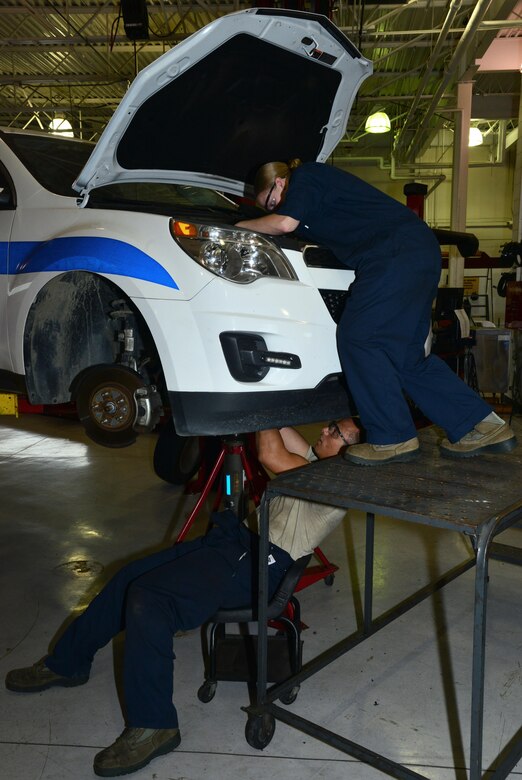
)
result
[(492, 436), (39, 677), (378, 454), (133, 750)]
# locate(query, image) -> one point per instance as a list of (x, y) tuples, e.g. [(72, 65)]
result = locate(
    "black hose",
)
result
[(503, 281)]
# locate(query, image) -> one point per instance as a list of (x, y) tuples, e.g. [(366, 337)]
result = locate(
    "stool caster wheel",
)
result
[(329, 580), (259, 730), (290, 696), (207, 691)]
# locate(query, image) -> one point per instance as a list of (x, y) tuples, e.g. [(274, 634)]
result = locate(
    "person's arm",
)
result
[(294, 441), (272, 224), (273, 454)]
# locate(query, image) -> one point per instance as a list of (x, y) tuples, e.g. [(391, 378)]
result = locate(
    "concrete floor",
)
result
[(71, 511)]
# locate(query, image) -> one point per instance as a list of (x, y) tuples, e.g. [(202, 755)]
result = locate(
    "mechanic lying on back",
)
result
[(178, 589)]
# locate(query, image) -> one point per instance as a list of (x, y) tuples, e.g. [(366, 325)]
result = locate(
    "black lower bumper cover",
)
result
[(217, 414)]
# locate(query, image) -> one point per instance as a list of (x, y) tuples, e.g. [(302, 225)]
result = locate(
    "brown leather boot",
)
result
[(496, 437), (38, 677), (378, 454), (133, 750)]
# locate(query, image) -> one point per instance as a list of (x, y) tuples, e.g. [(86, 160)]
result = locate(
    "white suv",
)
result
[(134, 291)]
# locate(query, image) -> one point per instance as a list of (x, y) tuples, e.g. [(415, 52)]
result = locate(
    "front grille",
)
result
[(334, 300)]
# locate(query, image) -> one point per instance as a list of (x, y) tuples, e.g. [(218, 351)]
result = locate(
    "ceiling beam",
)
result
[(110, 9), (123, 43)]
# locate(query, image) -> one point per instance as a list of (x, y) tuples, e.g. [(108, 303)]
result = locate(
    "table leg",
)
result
[(479, 650), (368, 572), (262, 609)]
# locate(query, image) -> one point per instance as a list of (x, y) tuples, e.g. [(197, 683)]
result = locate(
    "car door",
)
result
[(7, 212)]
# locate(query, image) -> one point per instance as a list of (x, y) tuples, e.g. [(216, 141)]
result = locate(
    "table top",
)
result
[(460, 494)]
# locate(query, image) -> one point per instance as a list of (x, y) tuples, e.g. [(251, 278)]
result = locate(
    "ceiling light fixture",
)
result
[(61, 126), (475, 137), (378, 123)]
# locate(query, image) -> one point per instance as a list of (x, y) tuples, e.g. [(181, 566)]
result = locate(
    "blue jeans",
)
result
[(152, 598)]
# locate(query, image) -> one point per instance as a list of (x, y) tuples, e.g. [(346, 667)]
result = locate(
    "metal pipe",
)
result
[(488, 25), (452, 11), (475, 19)]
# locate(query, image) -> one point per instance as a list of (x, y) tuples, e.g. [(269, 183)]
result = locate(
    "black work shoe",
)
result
[(484, 437), (38, 677), (133, 750)]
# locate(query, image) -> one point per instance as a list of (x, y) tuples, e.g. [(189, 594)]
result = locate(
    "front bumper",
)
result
[(216, 414)]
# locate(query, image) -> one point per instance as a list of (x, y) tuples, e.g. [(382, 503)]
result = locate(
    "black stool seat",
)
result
[(234, 656)]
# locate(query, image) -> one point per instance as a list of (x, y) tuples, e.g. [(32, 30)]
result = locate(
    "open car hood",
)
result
[(250, 87)]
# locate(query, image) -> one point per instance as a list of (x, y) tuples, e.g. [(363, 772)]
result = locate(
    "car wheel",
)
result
[(176, 458), (107, 406)]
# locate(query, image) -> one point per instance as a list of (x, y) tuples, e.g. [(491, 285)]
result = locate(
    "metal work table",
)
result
[(478, 497)]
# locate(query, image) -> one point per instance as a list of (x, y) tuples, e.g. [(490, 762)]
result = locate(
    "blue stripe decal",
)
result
[(85, 253)]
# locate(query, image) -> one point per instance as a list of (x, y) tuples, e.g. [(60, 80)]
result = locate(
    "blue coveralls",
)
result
[(152, 598), (387, 317)]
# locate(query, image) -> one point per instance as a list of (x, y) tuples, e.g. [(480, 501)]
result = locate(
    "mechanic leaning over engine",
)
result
[(387, 317), (178, 589)]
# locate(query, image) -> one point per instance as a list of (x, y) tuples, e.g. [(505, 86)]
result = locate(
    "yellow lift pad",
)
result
[(8, 404)]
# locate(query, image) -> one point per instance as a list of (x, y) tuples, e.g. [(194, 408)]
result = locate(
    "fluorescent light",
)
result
[(378, 123), (61, 126), (475, 137)]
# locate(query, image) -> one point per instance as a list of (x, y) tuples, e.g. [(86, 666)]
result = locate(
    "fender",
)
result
[(87, 253), (69, 328)]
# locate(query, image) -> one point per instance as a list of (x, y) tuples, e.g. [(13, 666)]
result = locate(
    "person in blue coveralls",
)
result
[(387, 317), (177, 589)]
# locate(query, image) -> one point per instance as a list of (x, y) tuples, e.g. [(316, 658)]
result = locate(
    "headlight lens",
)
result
[(237, 255)]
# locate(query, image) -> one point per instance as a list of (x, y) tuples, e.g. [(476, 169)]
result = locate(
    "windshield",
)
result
[(158, 193), (56, 162), (53, 161)]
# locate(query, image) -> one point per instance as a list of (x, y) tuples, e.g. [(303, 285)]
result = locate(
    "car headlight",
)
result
[(237, 255)]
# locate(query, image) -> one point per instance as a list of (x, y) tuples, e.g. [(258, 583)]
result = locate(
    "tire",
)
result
[(176, 458), (106, 404), (470, 371)]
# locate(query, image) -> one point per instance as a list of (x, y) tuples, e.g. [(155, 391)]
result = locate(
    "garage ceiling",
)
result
[(73, 59)]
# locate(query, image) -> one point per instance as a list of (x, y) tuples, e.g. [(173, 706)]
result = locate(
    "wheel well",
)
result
[(77, 321)]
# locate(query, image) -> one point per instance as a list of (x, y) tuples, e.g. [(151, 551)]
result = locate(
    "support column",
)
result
[(517, 179), (459, 192)]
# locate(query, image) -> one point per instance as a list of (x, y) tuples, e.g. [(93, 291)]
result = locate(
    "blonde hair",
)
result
[(271, 171)]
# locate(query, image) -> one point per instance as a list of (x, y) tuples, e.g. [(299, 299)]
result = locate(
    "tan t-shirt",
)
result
[(298, 526)]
